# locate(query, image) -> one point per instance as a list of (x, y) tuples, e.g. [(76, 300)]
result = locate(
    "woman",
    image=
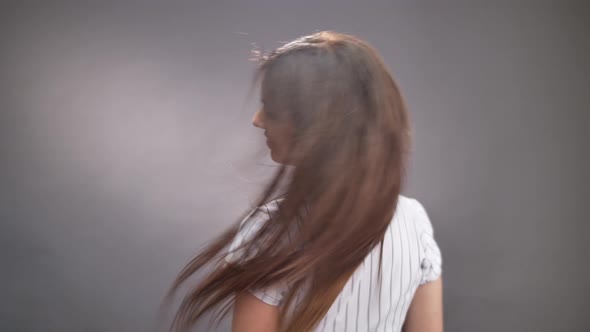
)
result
[(339, 249)]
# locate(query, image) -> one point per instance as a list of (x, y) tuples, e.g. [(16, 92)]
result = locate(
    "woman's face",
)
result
[(279, 135)]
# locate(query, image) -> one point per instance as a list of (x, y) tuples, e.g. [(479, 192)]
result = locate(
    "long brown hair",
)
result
[(350, 143)]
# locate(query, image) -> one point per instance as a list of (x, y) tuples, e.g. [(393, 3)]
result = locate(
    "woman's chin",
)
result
[(277, 158), (274, 157)]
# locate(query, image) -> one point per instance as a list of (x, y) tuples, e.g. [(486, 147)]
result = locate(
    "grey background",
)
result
[(126, 144)]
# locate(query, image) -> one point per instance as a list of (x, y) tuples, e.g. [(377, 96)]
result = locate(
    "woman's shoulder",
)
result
[(409, 208), (412, 209), (264, 211), (410, 204), (272, 205), (431, 256)]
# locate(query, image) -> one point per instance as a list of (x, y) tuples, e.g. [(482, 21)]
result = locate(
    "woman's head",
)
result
[(331, 109), (322, 90)]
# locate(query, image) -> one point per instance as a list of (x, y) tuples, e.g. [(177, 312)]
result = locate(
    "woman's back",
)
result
[(410, 258)]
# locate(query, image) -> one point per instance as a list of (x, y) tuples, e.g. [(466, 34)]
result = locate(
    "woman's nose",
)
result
[(257, 120)]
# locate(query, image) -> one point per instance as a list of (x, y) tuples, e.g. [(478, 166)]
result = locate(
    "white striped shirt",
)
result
[(411, 257)]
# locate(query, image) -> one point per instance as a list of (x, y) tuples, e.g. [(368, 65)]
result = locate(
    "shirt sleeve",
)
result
[(431, 262), (274, 294)]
